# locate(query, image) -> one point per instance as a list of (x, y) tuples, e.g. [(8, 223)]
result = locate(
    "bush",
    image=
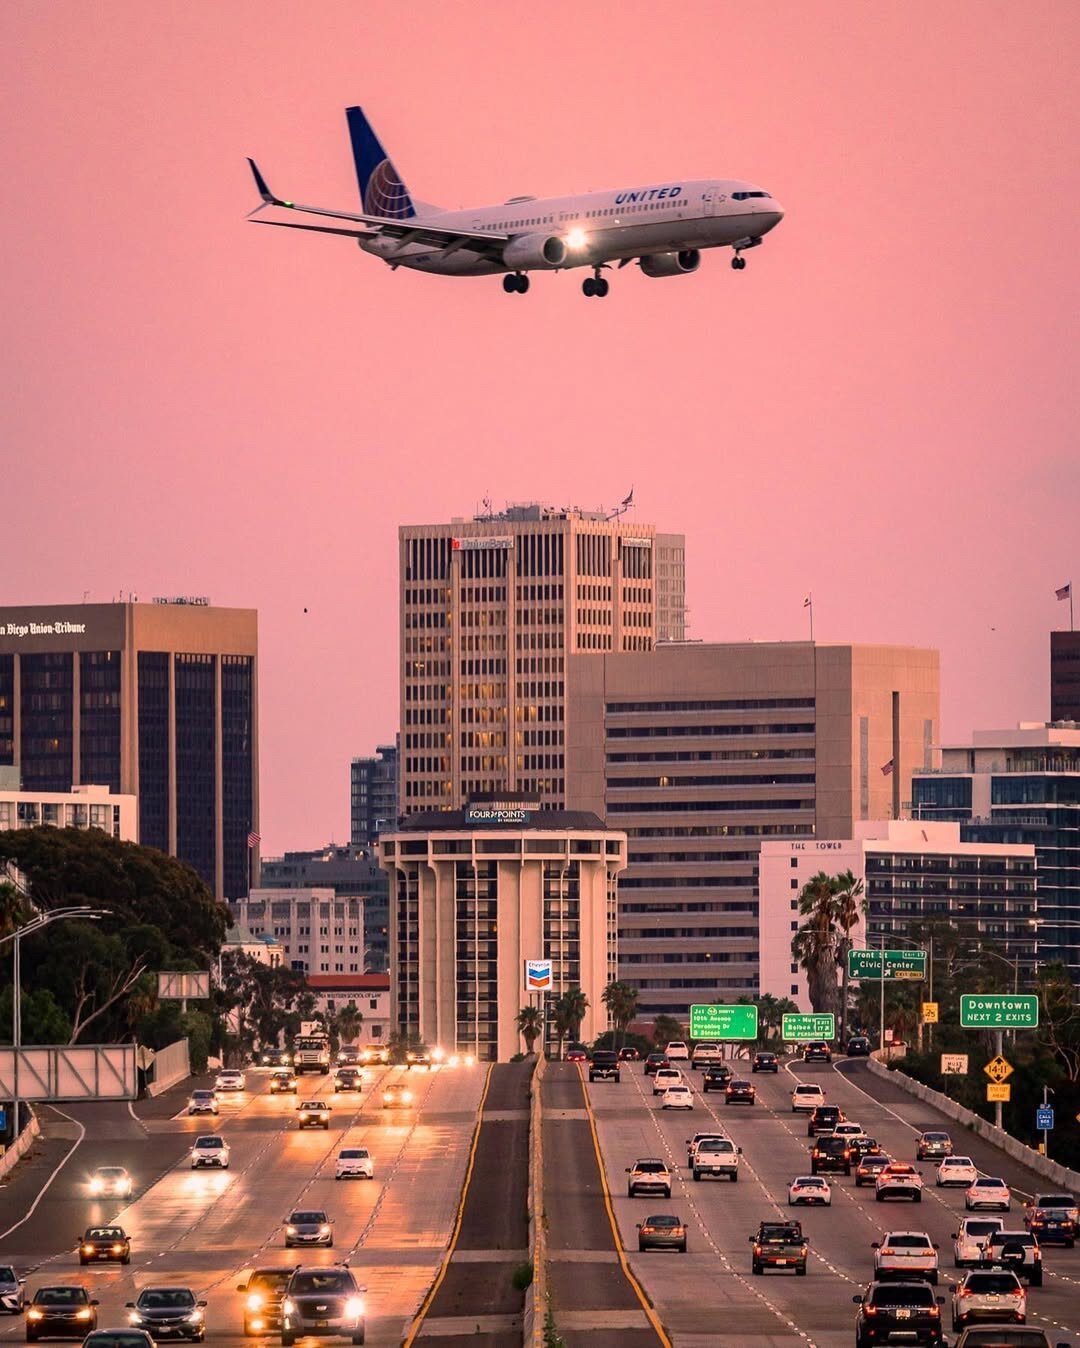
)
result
[(522, 1276)]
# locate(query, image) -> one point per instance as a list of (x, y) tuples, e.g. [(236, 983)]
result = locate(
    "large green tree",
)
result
[(621, 1001), (530, 1023), (814, 945)]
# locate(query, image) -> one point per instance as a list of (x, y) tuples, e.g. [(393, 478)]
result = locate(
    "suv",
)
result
[(209, 1149), (830, 1154), (705, 1054), (858, 1046), (817, 1051), (805, 1098), (263, 1292), (63, 1311), (665, 1077), (677, 1051), (969, 1240), (1053, 1217), (779, 1245), (10, 1296), (716, 1157), (823, 1119), (1005, 1336), (322, 1303), (989, 1294), (905, 1255), (904, 1308), (109, 1243), (1018, 1250), (765, 1062), (648, 1176), (169, 1312), (716, 1077), (605, 1064), (313, 1114)]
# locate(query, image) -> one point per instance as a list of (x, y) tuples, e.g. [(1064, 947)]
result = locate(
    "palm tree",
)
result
[(577, 1004), (348, 1022), (621, 1001), (665, 1029), (814, 944), (850, 905), (530, 1024), (562, 1020)]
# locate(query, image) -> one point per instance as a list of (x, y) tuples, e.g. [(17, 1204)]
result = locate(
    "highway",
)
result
[(710, 1290), (204, 1229)]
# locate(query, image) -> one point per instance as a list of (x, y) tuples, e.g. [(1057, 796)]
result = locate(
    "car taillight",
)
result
[(870, 1310), (757, 1249), (966, 1292), (935, 1310)]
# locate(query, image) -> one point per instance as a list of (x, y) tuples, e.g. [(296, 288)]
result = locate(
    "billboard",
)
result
[(93, 1072), (723, 1022), (538, 975), (183, 986)]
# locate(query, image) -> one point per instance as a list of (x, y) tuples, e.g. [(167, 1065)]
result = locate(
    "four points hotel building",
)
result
[(159, 701)]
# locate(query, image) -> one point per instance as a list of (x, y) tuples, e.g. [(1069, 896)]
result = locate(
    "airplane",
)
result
[(663, 226)]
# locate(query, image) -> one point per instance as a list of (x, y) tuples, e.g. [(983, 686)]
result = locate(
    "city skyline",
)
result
[(876, 414)]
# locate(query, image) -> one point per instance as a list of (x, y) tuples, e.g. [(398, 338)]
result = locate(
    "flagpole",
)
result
[(810, 606)]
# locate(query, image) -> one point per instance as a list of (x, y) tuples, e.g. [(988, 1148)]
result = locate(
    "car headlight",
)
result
[(88, 1249), (406, 1096), (354, 1307), (324, 1230), (118, 1249), (135, 1318), (254, 1302), (290, 1230), (84, 1314), (194, 1317), (34, 1315), (288, 1306), (96, 1186)]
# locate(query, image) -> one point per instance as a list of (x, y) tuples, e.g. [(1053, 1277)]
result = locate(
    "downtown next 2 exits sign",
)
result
[(723, 1022), (799, 1029), (898, 963), (999, 1011)]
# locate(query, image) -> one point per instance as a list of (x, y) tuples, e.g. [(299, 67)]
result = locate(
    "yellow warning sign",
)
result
[(930, 1013), (999, 1092), (997, 1069)]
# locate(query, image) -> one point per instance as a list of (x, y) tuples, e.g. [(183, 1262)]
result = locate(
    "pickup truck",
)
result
[(604, 1065), (705, 1055), (779, 1245), (716, 1158)]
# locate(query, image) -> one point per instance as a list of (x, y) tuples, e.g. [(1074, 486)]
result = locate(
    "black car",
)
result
[(322, 1303), (629, 1054), (263, 1293), (861, 1146), (273, 1057), (716, 1077), (858, 1046), (779, 1245), (654, 1062), (109, 1243), (348, 1079), (169, 1313), (823, 1119), (910, 1310), (765, 1062), (604, 1065), (64, 1311), (739, 1093), (830, 1154), (817, 1051)]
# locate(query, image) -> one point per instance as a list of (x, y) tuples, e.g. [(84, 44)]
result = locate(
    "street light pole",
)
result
[(881, 971)]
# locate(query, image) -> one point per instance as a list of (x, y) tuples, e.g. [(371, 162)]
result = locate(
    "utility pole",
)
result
[(997, 1103)]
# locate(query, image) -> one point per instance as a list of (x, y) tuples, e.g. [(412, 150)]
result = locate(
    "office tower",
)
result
[(373, 795), (702, 751), (491, 610), (670, 553), (82, 807), (1065, 676), (159, 701), (320, 932)]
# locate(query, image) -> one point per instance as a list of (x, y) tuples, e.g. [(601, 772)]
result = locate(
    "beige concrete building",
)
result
[(156, 700), (670, 566), (81, 807), (321, 933), (491, 610), (477, 892), (699, 752)]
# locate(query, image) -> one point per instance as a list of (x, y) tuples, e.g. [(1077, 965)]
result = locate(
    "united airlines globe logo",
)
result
[(387, 195)]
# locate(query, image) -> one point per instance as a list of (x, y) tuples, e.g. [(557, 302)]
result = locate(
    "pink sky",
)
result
[(882, 408)]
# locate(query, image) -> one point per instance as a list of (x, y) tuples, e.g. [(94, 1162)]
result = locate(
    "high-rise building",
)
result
[(670, 565), (374, 794), (159, 701), (702, 751), (82, 807), (1065, 676), (1020, 786), (491, 610), (320, 933)]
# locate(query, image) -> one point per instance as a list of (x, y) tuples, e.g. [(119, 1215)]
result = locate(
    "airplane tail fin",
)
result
[(382, 192)]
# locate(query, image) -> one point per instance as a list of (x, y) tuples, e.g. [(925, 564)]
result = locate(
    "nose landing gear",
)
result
[(595, 285), (515, 283), (738, 263)]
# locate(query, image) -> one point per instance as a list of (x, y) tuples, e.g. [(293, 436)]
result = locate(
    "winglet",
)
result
[(268, 198)]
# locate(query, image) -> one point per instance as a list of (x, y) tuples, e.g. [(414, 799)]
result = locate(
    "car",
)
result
[(861, 1146), (956, 1170), (375, 1054), (989, 1294), (665, 1077), (662, 1231), (716, 1077), (209, 1149), (677, 1051), (909, 1310), (851, 1133), (806, 1097), (119, 1338), (830, 1154), (933, 1146), (899, 1180), (654, 1062), (765, 1062), (1005, 1336), (169, 1313), (202, 1102), (308, 1226), (604, 1066), (738, 1091), (1018, 1250), (969, 1240), (274, 1057), (693, 1142), (104, 1244), (858, 1046), (60, 1311), (421, 1057), (809, 1189), (354, 1163), (313, 1114), (823, 1119), (110, 1181), (263, 1293), (397, 1096), (230, 1081), (716, 1158), (577, 1053), (705, 1054), (988, 1192), (629, 1054), (322, 1303), (348, 1079), (10, 1290), (679, 1096), (648, 1175), (779, 1245), (870, 1166), (817, 1051), (905, 1255), (283, 1083), (349, 1055), (1053, 1217)]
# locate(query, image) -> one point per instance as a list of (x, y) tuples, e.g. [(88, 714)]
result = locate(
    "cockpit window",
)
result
[(745, 196)]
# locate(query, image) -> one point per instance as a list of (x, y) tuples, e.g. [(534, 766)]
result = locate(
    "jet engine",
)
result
[(535, 250), (670, 264)]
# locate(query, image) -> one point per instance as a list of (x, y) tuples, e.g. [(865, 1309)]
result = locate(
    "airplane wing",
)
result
[(406, 232)]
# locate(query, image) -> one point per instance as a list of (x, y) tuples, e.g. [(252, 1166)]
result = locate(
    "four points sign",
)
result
[(723, 1022)]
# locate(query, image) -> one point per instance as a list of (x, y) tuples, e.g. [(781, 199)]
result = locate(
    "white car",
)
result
[(987, 1192), (354, 1163), (906, 1255), (806, 1098), (809, 1189), (972, 1235), (848, 1131), (692, 1143), (664, 1077), (899, 1180), (111, 1181), (678, 1096), (956, 1170), (229, 1081), (202, 1102), (996, 1295), (677, 1051), (210, 1149)]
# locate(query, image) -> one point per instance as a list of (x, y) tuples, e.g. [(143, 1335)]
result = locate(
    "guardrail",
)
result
[(20, 1146), (1060, 1175), (536, 1304)]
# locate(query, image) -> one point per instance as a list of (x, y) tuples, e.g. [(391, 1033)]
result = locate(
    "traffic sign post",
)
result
[(998, 1069), (954, 1064), (999, 1011), (907, 964), (723, 1022), (1044, 1118), (1000, 1094), (930, 1013), (797, 1029)]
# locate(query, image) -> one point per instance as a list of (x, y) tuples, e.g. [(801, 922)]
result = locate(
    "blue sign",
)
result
[(3, 1118), (1044, 1118)]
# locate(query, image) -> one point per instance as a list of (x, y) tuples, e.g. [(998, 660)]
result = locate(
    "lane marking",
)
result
[(41, 1191)]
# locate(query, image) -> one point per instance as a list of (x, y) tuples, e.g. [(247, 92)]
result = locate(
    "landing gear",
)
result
[(738, 263), (515, 283), (595, 285)]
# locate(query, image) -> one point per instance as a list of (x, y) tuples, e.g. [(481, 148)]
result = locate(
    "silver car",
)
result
[(905, 1255), (10, 1293), (989, 1294), (972, 1235)]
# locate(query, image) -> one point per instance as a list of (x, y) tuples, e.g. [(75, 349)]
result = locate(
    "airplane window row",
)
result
[(742, 196)]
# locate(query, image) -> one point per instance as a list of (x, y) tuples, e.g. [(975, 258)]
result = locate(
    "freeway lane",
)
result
[(204, 1228), (711, 1288)]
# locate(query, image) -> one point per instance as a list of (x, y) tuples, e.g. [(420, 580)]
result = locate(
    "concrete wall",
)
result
[(171, 1064), (20, 1146)]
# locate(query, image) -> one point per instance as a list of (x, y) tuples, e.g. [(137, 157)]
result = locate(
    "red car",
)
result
[(577, 1053)]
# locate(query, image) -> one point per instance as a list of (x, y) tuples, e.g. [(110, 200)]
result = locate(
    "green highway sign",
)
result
[(898, 963), (796, 1029), (999, 1011), (723, 1022)]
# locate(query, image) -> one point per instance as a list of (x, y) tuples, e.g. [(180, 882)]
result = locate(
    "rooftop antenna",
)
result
[(623, 506)]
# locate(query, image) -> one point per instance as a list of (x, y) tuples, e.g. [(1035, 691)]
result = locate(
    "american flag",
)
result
[(254, 838), (886, 770), (1065, 592)]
